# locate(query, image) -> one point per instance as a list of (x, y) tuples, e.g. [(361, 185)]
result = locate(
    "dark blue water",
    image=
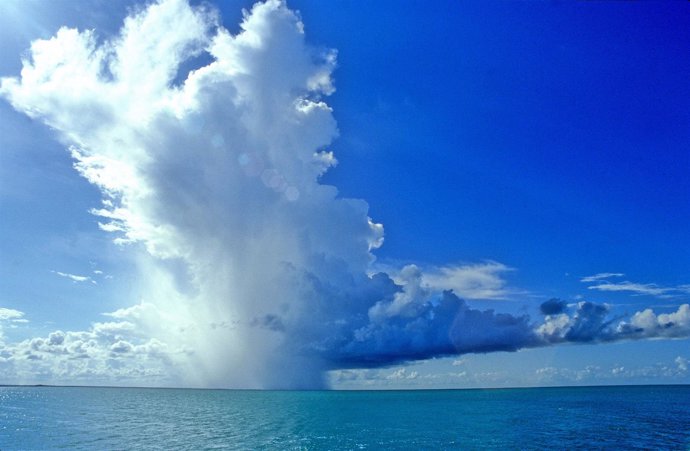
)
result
[(646, 417)]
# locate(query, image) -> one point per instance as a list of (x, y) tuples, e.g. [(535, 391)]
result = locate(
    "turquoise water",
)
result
[(647, 417)]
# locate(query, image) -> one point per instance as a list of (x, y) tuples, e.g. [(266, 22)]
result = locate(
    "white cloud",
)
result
[(617, 370), (637, 288), (601, 283), (253, 273), (10, 317), (649, 324), (601, 276), (555, 326), (591, 322), (402, 373), (74, 277), (614, 374), (579, 376), (135, 312), (405, 303), (357, 376), (111, 352), (11, 314), (121, 346), (472, 281), (217, 175)]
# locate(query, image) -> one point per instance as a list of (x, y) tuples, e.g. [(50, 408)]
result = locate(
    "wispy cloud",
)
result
[(74, 277), (481, 281), (600, 276), (601, 282), (637, 288)]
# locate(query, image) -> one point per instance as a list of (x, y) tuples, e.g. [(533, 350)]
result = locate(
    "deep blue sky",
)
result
[(552, 137)]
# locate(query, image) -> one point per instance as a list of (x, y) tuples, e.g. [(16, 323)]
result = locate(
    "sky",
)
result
[(346, 194)]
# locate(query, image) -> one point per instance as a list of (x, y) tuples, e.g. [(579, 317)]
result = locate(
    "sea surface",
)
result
[(640, 417)]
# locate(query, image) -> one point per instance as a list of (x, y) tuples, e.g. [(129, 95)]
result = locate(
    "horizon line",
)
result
[(342, 389)]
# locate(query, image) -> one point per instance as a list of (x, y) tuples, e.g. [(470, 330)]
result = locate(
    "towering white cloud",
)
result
[(256, 274), (214, 172)]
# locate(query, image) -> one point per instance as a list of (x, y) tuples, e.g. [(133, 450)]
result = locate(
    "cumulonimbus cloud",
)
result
[(257, 274)]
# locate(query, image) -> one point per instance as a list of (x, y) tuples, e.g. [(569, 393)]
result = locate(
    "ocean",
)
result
[(632, 417)]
